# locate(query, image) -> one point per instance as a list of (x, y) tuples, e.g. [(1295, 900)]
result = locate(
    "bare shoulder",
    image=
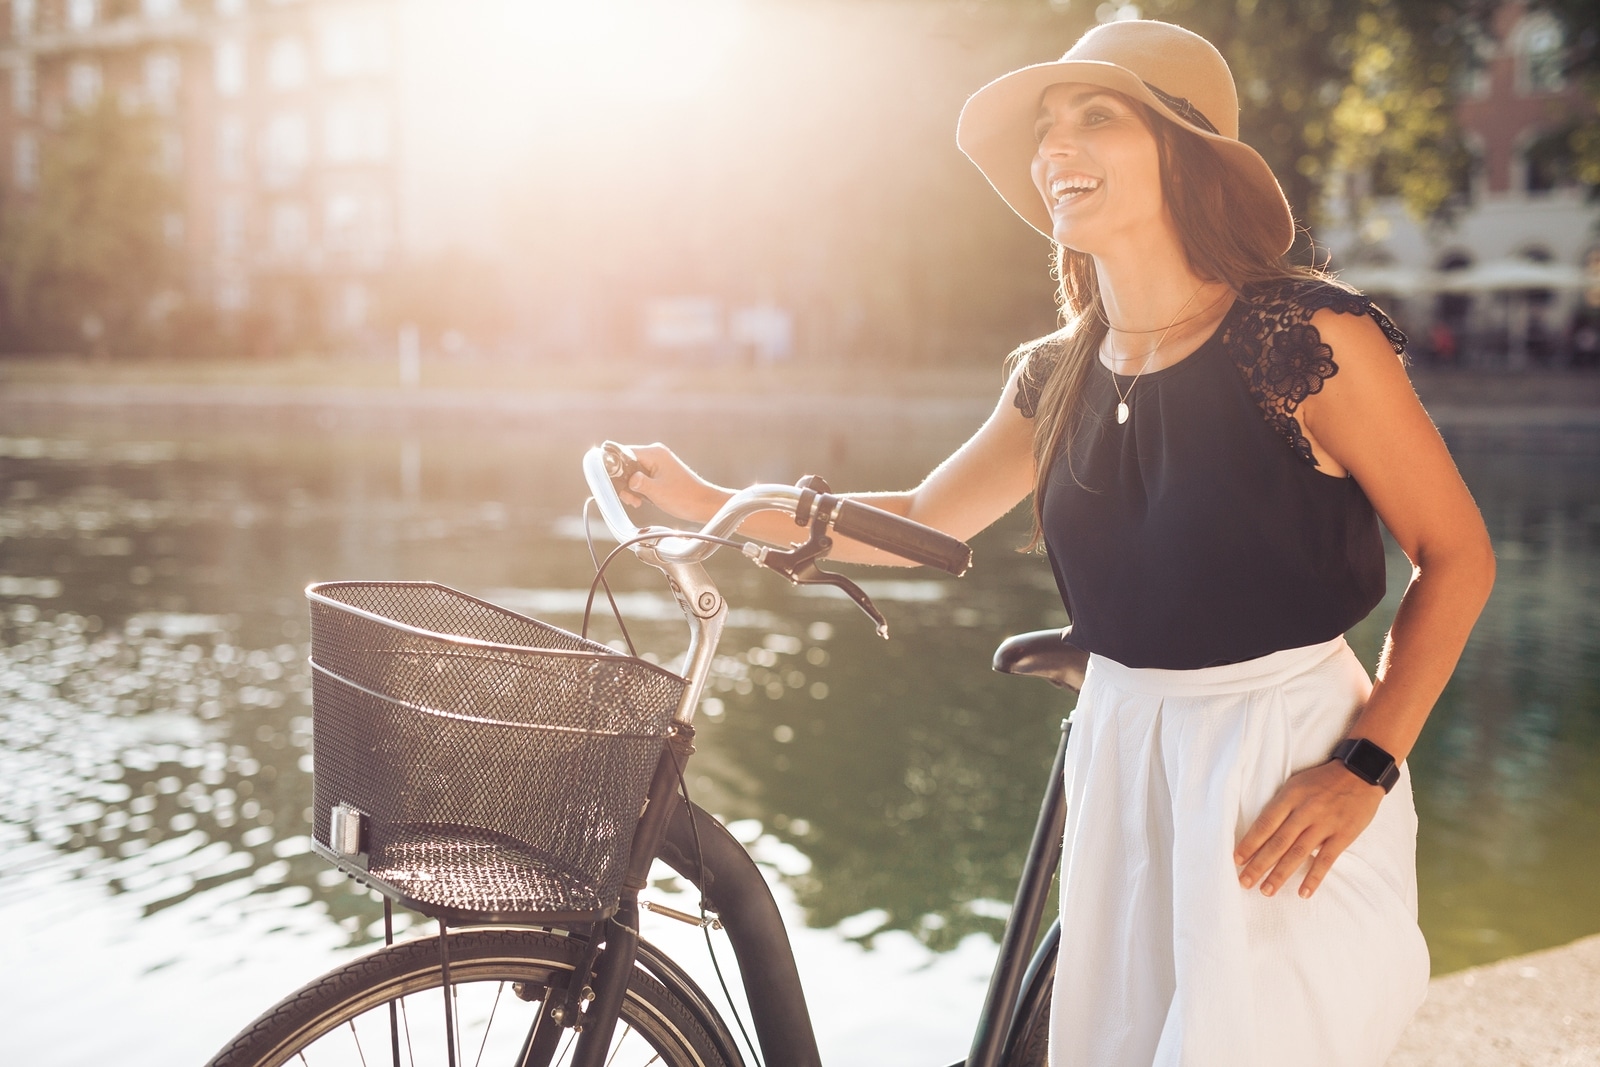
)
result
[(1370, 379)]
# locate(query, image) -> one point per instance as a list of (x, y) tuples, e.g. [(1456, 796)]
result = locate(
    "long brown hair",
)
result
[(1221, 243)]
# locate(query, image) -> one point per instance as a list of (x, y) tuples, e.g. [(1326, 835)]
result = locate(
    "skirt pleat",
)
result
[(1165, 960)]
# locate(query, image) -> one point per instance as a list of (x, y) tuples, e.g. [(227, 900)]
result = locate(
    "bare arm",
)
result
[(975, 486), (1368, 422)]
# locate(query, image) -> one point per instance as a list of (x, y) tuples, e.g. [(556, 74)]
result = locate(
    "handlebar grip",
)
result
[(902, 537)]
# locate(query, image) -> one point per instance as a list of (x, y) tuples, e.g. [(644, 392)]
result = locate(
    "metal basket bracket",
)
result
[(347, 834)]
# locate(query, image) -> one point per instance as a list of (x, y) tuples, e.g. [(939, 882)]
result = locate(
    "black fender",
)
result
[(702, 850), (1033, 1006)]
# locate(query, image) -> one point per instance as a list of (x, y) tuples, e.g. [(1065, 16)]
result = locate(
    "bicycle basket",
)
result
[(474, 763)]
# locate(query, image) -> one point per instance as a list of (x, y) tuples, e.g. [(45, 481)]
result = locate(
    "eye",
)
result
[(1095, 116), (1040, 128)]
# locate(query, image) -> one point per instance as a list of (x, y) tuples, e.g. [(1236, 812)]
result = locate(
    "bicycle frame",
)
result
[(702, 851)]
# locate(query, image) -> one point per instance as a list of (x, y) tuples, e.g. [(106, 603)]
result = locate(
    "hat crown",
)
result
[(1169, 59)]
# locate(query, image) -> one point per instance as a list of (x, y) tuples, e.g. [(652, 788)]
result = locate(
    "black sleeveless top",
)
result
[(1201, 532)]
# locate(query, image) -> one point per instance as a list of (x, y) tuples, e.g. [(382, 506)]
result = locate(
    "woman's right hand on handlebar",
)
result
[(671, 485)]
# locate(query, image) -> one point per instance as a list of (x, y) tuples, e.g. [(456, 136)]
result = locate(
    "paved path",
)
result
[(1538, 1010)]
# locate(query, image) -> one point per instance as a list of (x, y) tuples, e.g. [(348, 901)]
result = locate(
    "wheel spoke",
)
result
[(499, 990), (622, 1039), (411, 1052), (357, 1038), (369, 1000)]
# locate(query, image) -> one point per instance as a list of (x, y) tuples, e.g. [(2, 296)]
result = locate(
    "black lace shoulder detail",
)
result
[(1281, 356), (1038, 360)]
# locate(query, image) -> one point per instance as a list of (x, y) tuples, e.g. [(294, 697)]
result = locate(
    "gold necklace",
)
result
[(1123, 410)]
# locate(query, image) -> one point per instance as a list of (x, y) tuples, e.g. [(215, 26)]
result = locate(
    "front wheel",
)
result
[(387, 1008)]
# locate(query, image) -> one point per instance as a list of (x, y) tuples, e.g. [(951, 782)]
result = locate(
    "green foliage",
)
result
[(1581, 21), (1341, 87), (87, 260)]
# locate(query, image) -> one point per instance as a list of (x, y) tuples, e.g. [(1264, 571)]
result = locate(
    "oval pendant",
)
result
[(1122, 413)]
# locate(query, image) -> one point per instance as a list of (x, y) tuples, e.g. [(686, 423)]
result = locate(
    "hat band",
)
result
[(1185, 110)]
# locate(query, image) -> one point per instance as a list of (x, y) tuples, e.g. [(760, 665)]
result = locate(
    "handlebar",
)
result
[(606, 465)]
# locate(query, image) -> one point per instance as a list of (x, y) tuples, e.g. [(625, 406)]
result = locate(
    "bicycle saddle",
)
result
[(1047, 654)]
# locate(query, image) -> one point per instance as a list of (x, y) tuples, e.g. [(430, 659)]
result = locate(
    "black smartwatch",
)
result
[(1367, 762)]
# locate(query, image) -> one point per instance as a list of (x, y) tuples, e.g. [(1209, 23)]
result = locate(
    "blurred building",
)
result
[(1512, 277), (278, 118)]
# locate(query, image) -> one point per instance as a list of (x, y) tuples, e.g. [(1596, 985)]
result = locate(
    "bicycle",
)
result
[(530, 841)]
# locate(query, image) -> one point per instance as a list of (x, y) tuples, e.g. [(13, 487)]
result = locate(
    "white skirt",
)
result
[(1165, 960)]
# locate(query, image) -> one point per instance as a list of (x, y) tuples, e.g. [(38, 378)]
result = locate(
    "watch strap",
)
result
[(1368, 762)]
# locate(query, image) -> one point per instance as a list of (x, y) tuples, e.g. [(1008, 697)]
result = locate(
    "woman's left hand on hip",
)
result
[(1315, 815)]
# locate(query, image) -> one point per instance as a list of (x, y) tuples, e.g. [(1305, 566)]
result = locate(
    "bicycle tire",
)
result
[(343, 1016), (1029, 1043)]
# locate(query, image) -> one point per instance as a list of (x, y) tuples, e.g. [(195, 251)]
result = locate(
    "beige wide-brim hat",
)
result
[(1177, 74)]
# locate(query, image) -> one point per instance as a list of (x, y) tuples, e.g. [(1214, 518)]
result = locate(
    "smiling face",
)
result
[(1098, 169)]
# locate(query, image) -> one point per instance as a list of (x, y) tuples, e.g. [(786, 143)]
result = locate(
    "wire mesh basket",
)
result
[(474, 763)]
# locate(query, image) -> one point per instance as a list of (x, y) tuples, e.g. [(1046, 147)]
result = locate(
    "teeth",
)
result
[(1062, 188)]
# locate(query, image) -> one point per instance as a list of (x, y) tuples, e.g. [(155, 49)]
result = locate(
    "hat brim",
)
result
[(995, 131)]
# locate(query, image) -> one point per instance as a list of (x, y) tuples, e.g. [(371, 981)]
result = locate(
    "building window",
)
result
[(162, 73), (230, 226), (355, 224), (24, 88), (25, 160), (1548, 161), (287, 66), (288, 147), (83, 83), (229, 67), (230, 147), (161, 9), (232, 294), (291, 232), (1541, 58), (22, 15), (354, 131), (341, 222), (353, 42), (355, 302), (81, 14)]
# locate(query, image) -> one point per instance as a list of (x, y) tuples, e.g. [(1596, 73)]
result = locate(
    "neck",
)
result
[(1145, 290), (1143, 287)]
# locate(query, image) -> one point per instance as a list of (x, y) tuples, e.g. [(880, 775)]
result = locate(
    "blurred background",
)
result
[(747, 181), (296, 290)]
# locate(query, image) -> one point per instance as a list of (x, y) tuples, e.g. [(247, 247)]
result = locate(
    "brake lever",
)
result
[(811, 574), (799, 564)]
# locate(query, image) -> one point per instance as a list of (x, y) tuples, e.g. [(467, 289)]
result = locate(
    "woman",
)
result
[(1209, 442)]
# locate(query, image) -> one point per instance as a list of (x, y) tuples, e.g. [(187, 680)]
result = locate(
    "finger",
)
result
[(1299, 850), (1262, 861), (1320, 866), (1266, 824)]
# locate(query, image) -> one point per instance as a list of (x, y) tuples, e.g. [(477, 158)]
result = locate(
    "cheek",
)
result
[(1036, 170)]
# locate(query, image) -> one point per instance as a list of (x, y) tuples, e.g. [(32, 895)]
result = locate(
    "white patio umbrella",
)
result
[(1513, 274)]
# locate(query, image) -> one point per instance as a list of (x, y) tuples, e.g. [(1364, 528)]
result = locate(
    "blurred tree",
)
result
[(1580, 20), (90, 259)]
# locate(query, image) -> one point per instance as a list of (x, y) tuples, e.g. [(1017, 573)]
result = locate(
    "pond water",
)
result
[(156, 880)]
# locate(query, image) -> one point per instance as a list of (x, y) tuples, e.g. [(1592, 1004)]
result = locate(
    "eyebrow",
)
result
[(1078, 100)]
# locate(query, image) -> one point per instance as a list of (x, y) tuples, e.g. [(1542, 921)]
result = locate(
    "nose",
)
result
[(1057, 141)]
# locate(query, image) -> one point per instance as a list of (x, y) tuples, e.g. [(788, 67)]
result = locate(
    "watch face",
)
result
[(1368, 761)]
